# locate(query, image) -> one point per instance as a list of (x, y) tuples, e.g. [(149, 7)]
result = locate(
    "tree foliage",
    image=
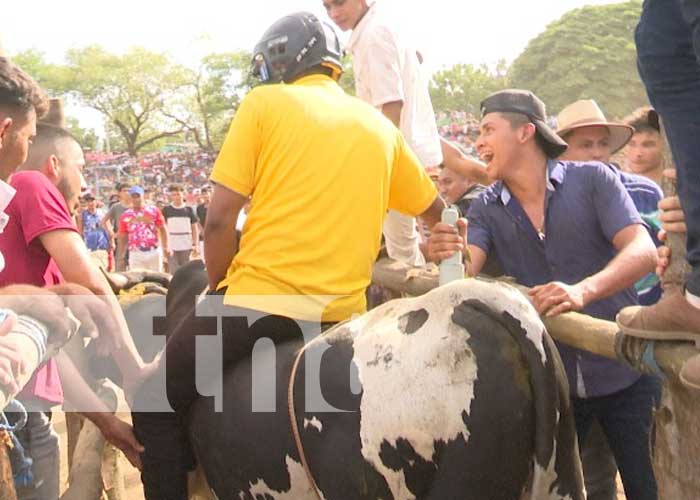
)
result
[(52, 77), (131, 91), (589, 53), (210, 96), (463, 86), (87, 138)]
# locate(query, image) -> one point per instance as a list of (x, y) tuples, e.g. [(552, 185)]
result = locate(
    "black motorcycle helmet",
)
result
[(293, 45)]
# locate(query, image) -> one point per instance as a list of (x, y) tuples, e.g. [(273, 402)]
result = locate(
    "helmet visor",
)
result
[(260, 69)]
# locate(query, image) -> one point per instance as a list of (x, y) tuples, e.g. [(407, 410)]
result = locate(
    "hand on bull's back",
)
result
[(556, 298)]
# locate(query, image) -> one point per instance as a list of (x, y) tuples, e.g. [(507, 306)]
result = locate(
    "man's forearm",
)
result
[(164, 242), (433, 214), (195, 235), (632, 263), (121, 250), (219, 245)]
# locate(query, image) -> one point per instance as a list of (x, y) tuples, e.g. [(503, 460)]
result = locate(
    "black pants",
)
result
[(626, 420), (168, 456)]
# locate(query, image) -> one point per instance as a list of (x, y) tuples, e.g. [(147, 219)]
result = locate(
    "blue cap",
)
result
[(136, 190)]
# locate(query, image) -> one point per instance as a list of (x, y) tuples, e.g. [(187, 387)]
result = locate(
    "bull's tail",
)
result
[(556, 467)]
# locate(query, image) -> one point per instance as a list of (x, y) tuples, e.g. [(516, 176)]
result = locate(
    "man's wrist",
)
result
[(588, 291)]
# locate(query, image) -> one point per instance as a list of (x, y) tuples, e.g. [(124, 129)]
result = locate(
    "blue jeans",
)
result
[(40, 443), (625, 417), (668, 51)]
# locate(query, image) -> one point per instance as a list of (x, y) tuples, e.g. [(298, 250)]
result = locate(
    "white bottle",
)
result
[(452, 268)]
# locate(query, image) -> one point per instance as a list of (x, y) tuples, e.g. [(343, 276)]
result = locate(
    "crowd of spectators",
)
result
[(154, 171), (191, 168)]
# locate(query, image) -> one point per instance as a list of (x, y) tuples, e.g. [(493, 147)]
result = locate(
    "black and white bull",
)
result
[(459, 393)]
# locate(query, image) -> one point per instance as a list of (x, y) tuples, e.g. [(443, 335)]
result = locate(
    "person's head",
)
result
[(90, 203), (296, 46), (590, 136), (513, 130), (346, 13), (176, 192), (205, 195), (58, 155), (123, 193), (136, 193), (452, 185), (645, 151), (21, 102)]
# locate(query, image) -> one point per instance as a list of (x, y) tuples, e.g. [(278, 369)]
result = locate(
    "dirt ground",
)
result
[(133, 482)]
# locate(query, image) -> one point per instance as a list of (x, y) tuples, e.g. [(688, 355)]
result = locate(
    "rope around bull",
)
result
[(293, 419)]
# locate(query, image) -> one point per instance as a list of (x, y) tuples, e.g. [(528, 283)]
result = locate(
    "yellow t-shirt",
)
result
[(321, 168)]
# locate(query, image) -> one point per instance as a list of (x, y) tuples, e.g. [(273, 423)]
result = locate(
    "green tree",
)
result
[(52, 77), (134, 91), (463, 86), (587, 54), (87, 138), (347, 79), (210, 96)]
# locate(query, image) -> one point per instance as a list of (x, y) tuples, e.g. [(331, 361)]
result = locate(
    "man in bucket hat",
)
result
[(571, 232), (591, 137)]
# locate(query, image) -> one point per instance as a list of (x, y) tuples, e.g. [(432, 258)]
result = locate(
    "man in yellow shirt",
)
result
[(321, 169)]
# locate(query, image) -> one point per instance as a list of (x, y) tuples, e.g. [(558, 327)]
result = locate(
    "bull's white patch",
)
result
[(544, 478), (417, 387), (300, 489), (314, 422)]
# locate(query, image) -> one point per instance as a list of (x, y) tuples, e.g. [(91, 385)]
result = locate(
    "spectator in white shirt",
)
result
[(183, 231), (388, 75)]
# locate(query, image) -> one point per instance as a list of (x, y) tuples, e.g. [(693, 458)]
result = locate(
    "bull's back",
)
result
[(456, 394)]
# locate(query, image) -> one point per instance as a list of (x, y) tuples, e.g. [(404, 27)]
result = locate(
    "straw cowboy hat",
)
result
[(586, 113)]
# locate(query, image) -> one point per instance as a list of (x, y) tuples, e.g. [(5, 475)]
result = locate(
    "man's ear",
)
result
[(5, 125), (52, 168), (527, 132)]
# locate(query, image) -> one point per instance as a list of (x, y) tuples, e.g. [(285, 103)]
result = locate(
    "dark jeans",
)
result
[(168, 457), (599, 467), (668, 49), (626, 420)]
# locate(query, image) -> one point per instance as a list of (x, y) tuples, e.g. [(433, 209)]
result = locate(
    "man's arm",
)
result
[(433, 214), (164, 241), (392, 110), (73, 260), (195, 236), (458, 162), (106, 223), (122, 242), (81, 396), (220, 232), (636, 257)]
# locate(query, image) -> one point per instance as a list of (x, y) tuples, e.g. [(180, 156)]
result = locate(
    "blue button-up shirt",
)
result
[(586, 205)]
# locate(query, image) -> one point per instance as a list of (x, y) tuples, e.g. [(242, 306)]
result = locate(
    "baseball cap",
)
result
[(136, 190), (526, 103)]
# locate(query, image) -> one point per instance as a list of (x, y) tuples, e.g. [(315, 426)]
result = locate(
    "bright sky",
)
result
[(446, 31)]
